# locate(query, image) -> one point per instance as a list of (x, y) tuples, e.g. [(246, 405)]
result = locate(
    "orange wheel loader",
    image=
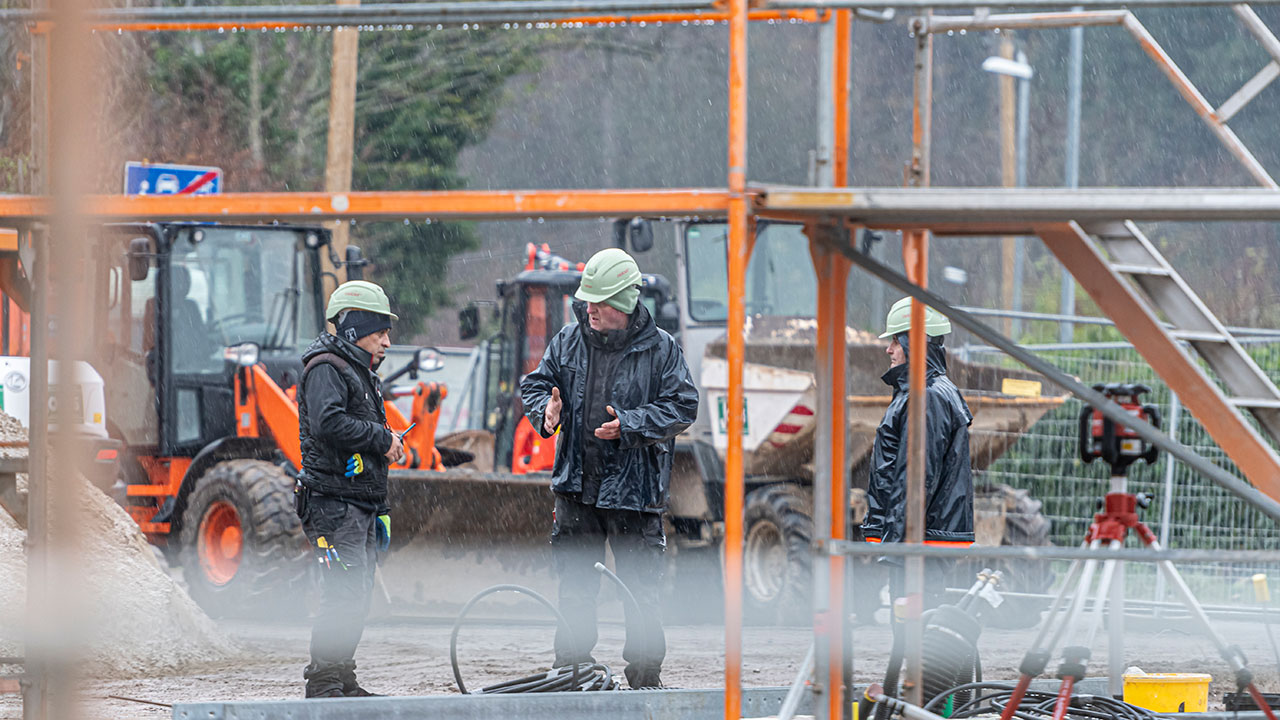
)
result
[(201, 330)]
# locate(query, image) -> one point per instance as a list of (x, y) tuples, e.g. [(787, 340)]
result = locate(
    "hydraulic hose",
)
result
[(950, 649), (545, 682), (992, 696), (950, 645), (577, 677), (891, 673), (626, 591)]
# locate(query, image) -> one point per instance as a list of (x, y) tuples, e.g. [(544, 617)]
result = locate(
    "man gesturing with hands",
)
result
[(618, 390), (611, 430)]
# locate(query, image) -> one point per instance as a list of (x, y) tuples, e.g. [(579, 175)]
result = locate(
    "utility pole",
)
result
[(342, 123), (1008, 172)]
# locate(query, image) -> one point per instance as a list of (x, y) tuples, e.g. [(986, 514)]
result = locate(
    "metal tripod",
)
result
[(1109, 529)]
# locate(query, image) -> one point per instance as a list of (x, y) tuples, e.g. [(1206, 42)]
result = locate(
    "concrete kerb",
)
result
[(665, 704)]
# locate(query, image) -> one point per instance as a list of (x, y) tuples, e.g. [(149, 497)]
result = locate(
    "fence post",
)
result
[(1166, 507)]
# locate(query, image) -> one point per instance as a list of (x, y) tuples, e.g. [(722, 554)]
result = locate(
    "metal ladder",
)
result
[(1137, 287), (1134, 256)]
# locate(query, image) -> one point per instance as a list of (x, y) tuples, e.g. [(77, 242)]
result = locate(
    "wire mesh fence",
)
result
[(1045, 460)]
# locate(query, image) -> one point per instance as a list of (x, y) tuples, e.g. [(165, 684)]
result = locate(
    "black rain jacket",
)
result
[(340, 413), (652, 392), (948, 477)]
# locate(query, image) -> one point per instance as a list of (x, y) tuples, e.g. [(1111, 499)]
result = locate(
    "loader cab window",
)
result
[(127, 344), (236, 285), (780, 278)]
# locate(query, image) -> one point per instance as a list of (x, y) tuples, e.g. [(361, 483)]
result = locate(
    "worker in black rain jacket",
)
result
[(948, 511), (342, 498), (618, 390)]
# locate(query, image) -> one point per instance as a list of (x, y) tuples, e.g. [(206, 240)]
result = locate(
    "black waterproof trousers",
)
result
[(938, 575), (346, 587), (637, 539)]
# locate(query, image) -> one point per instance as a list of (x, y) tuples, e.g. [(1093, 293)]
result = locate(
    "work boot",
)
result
[(330, 693), (357, 691), (644, 679)]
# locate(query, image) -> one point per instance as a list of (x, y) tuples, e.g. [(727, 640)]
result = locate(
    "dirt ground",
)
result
[(411, 657), (405, 650)]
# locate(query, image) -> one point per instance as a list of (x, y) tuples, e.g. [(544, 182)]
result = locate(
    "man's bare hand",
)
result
[(396, 453), (551, 416), (611, 430)]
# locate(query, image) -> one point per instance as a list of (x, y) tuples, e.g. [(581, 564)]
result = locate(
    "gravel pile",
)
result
[(137, 620)]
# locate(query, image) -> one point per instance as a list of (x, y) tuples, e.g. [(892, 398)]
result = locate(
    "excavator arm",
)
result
[(263, 408), (262, 405)]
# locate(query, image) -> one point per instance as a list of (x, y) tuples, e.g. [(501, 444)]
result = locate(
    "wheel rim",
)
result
[(765, 561), (220, 542)]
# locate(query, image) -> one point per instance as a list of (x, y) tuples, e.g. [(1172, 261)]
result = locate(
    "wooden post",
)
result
[(342, 124)]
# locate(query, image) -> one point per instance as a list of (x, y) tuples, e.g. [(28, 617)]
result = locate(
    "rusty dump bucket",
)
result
[(781, 396)]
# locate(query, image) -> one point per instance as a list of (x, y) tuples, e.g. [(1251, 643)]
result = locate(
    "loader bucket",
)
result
[(459, 531)]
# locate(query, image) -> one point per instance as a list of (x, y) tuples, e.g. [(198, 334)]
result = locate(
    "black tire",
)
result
[(777, 571), (264, 576), (1025, 525)]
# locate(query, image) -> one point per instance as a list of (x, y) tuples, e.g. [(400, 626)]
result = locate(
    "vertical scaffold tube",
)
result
[(739, 250)]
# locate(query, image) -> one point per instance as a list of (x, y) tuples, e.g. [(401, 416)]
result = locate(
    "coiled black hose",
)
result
[(575, 677), (950, 644), (1036, 705), (578, 677)]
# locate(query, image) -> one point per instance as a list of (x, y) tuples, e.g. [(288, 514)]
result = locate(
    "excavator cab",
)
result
[(201, 330), (182, 305), (532, 308), (184, 312)]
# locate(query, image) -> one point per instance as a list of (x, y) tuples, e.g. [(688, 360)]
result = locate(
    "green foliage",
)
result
[(422, 97), (410, 262), (258, 103)]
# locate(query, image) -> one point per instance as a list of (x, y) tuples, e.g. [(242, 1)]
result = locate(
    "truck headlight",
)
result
[(243, 355)]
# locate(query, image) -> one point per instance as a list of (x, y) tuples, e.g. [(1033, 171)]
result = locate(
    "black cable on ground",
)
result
[(576, 677), (896, 656), (991, 697), (561, 679)]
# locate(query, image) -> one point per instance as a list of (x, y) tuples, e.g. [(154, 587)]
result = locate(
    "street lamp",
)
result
[(1017, 68)]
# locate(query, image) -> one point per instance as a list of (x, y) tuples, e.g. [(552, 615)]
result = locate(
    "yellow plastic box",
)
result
[(1168, 692)]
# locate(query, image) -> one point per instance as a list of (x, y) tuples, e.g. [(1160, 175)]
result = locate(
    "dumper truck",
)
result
[(780, 407)]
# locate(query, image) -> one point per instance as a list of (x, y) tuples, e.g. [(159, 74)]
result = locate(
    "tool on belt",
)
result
[(329, 553)]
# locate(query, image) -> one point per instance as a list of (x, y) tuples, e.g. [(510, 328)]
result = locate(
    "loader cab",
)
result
[(532, 308), (178, 303)]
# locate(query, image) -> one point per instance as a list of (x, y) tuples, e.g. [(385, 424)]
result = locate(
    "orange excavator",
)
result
[(201, 330)]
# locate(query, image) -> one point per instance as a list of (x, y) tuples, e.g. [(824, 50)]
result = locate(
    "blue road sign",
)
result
[(149, 179)]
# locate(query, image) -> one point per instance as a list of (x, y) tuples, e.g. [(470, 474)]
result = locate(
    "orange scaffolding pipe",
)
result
[(800, 15), (372, 206), (832, 269), (739, 253)]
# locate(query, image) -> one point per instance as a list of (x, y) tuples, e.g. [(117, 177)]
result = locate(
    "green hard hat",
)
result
[(358, 295), (606, 274), (899, 320)]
